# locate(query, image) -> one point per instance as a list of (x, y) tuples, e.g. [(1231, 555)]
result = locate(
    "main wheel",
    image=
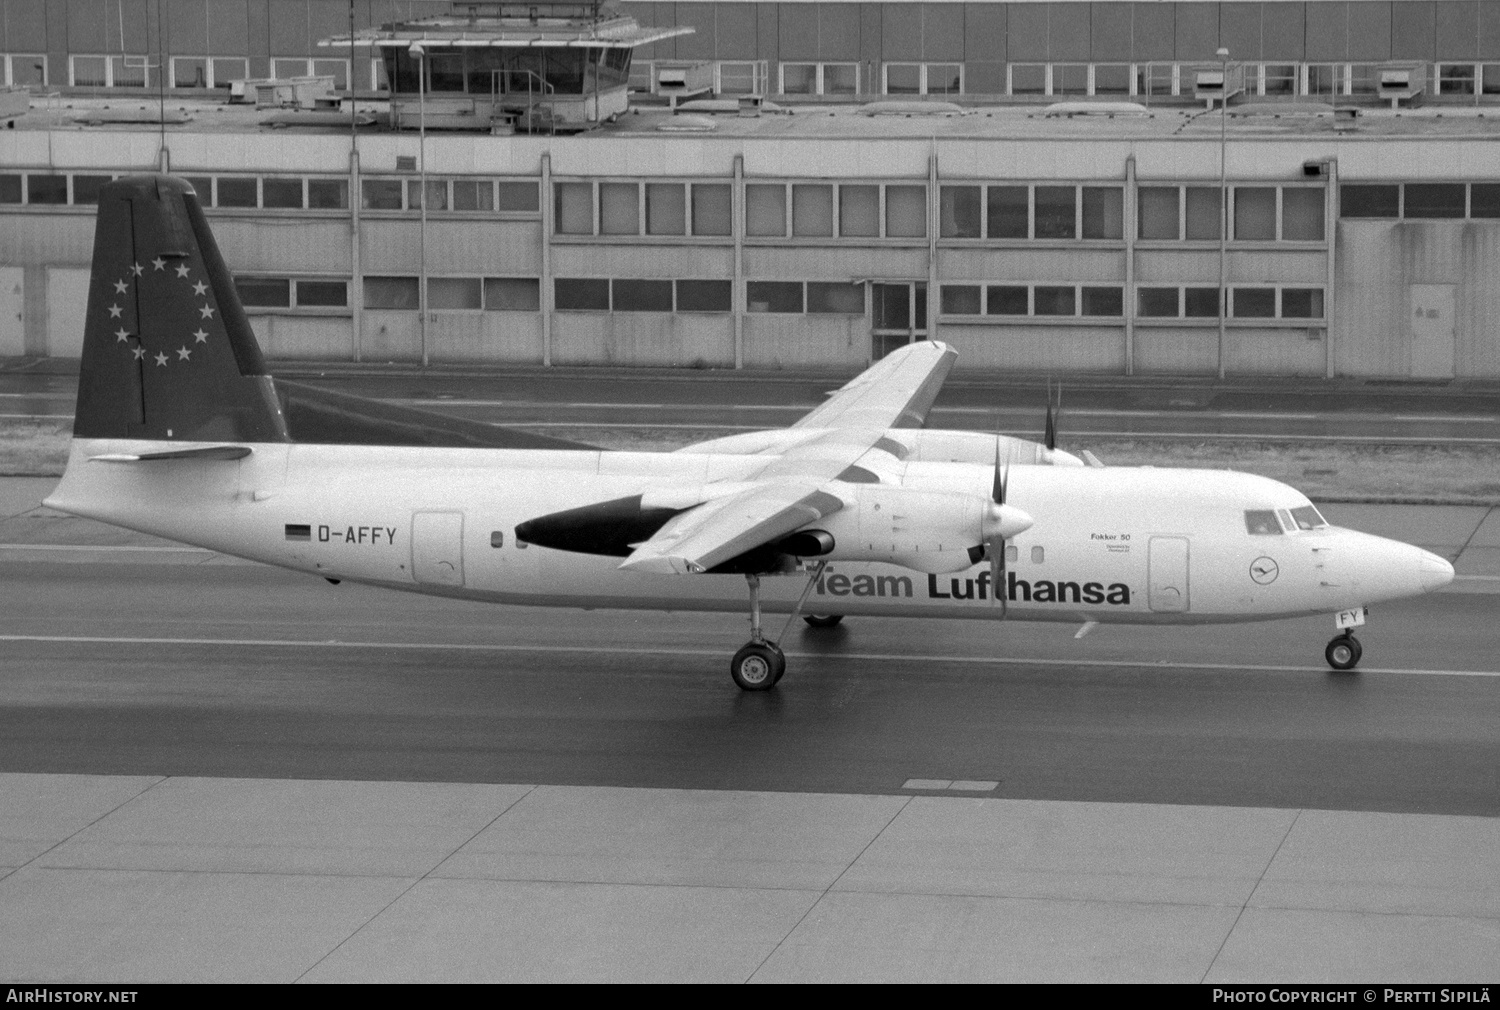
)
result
[(757, 667), (1343, 652), (823, 620)]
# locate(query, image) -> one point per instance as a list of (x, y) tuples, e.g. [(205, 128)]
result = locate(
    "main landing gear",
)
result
[(1343, 652), (760, 662)]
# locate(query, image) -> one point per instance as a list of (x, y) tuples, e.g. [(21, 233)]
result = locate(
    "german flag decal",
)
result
[(294, 531)]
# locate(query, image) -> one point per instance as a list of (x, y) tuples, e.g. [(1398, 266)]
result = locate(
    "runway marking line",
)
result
[(630, 651)]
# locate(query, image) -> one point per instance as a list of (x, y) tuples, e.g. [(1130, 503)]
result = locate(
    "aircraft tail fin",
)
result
[(167, 351)]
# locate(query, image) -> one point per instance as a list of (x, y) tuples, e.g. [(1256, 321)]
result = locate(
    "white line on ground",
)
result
[(625, 651)]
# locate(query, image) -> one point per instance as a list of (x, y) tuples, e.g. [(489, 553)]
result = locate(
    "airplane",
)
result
[(855, 510)]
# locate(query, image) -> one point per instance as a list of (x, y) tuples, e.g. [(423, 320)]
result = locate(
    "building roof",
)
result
[(610, 32)]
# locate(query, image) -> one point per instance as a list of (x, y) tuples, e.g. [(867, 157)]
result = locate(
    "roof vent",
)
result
[(687, 124), (911, 109)]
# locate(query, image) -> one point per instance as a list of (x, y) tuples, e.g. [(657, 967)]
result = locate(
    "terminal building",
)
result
[(1048, 186)]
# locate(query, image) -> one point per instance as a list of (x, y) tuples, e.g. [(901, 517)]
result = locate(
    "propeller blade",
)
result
[(1050, 437), (997, 489)]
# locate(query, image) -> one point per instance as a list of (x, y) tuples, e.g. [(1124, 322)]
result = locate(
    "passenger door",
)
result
[(1168, 574), (437, 548)]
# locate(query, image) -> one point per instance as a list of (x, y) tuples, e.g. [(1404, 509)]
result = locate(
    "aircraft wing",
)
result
[(792, 489), (715, 531), (895, 392)]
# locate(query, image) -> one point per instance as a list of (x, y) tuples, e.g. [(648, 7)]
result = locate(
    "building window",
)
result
[(264, 292), (618, 209), (281, 193), (88, 71), (1056, 211), (86, 188), (392, 293), (835, 298), (1008, 212), (1157, 303), (455, 294), (473, 195), (1255, 213), (380, 194), (1054, 300), (10, 188), (46, 189), (1204, 212), (328, 194), (517, 197), (580, 295), (1302, 303), (765, 210), (1103, 212), (906, 211), (666, 208), (1007, 300), (629, 295), (1302, 209), (773, 296), (512, 294), (1456, 78), (812, 210), (960, 300), (575, 208), (236, 192), (923, 79), (712, 209), (703, 296), (859, 211), (1103, 301), (1159, 212), (322, 294), (1254, 303), (436, 196), (1369, 201), (1484, 197), (1200, 303), (961, 212), (1434, 200), (1026, 78), (819, 78)]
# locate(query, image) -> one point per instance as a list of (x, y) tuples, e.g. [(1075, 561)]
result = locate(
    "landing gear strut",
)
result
[(1343, 652), (760, 663)]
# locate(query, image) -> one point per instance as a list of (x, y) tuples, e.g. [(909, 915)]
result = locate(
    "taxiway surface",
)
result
[(239, 670)]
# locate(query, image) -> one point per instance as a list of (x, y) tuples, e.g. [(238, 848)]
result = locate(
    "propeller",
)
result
[(995, 545), (1050, 436)]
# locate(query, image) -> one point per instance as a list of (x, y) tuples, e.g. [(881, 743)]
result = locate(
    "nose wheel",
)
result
[(1343, 652)]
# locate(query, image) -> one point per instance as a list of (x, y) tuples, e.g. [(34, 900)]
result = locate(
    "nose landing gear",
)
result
[(1343, 652)]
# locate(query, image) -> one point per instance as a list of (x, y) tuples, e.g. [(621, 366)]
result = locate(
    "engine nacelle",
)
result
[(929, 531), (930, 445)]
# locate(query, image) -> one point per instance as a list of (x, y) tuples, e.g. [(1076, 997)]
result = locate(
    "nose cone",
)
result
[(1004, 521), (1433, 572)]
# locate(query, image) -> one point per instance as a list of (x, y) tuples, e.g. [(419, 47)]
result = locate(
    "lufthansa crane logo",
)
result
[(1264, 571)]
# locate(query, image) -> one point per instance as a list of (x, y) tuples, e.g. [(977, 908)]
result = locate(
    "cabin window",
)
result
[(1262, 523), (1038, 555), (497, 538), (1309, 518)]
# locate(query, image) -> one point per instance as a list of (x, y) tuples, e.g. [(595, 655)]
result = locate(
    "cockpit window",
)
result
[(1308, 518), (1262, 523)]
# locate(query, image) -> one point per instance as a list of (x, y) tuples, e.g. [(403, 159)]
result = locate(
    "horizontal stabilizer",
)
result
[(202, 452)]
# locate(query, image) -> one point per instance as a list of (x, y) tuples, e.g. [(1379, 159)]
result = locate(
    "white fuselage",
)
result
[(1115, 544)]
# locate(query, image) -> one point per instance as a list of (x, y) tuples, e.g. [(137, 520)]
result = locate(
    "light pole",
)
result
[(417, 52), (1223, 55)]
